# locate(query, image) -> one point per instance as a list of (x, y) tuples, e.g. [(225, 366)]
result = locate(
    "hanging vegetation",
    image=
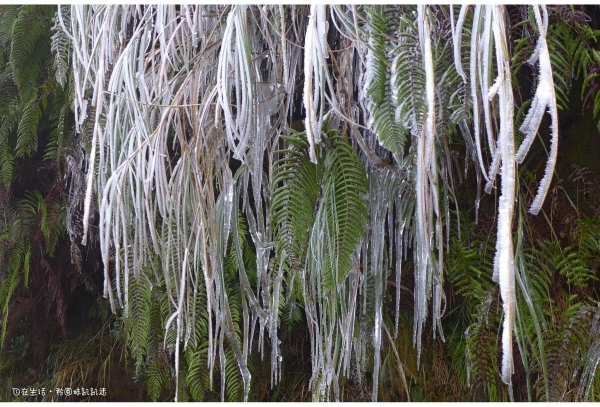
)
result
[(246, 170)]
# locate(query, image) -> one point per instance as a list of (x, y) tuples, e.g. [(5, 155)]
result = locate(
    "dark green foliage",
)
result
[(587, 239), (334, 188), (550, 259), (469, 265), (296, 191), (345, 183), (37, 277), (138, 321)]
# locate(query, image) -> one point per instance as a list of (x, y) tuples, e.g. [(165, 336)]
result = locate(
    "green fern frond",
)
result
[(587, 237), (469, 266), (27, 137), (61, 47), (157, 380), (233, 379), (7, 288), (197, 379), (378, 88), (341, 181), (291, 315), (138, 321), (482, 349), (7, 21), (347, 211), (26, 266), (7, 163), (26, 55), (33, 202), (408, 78), (16, 255), (295, 194), (552, 259)]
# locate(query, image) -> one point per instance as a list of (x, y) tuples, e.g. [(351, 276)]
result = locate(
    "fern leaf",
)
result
[(27, 137), (7, 163), (138, 320), (7, 288), (347, 209), (381, 106), (28, 28), (295, 194), (60, 47), (156, 381)]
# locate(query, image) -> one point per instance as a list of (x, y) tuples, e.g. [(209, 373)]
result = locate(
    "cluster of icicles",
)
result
[(214, 82)]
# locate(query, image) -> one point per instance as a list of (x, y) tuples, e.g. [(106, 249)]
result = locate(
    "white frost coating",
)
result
[(504, 270), (429, 89), (473, 79), (236, 57), (457, 39), (308, 85), (315, 53), (284, 54), (494, 168), (545, 97), (484, 77), (97, 102)]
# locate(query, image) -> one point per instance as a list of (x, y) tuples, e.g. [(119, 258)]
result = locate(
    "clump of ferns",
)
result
[(147, 337), (86, 360), (587, 189), (567, 343), (36, 281), (561, 276), (586, 238), (469, 267)]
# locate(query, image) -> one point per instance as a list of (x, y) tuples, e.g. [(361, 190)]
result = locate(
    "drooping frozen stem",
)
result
[(315, 53), (504, 270), (545, 98)]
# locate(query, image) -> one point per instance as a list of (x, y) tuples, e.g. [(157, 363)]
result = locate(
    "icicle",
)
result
[(477, 199), (275, 357), (466, 133), (179, 320), (378, 189), (225, 203), (401, 223), (427, 199), (494, 168), (284, 54)]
